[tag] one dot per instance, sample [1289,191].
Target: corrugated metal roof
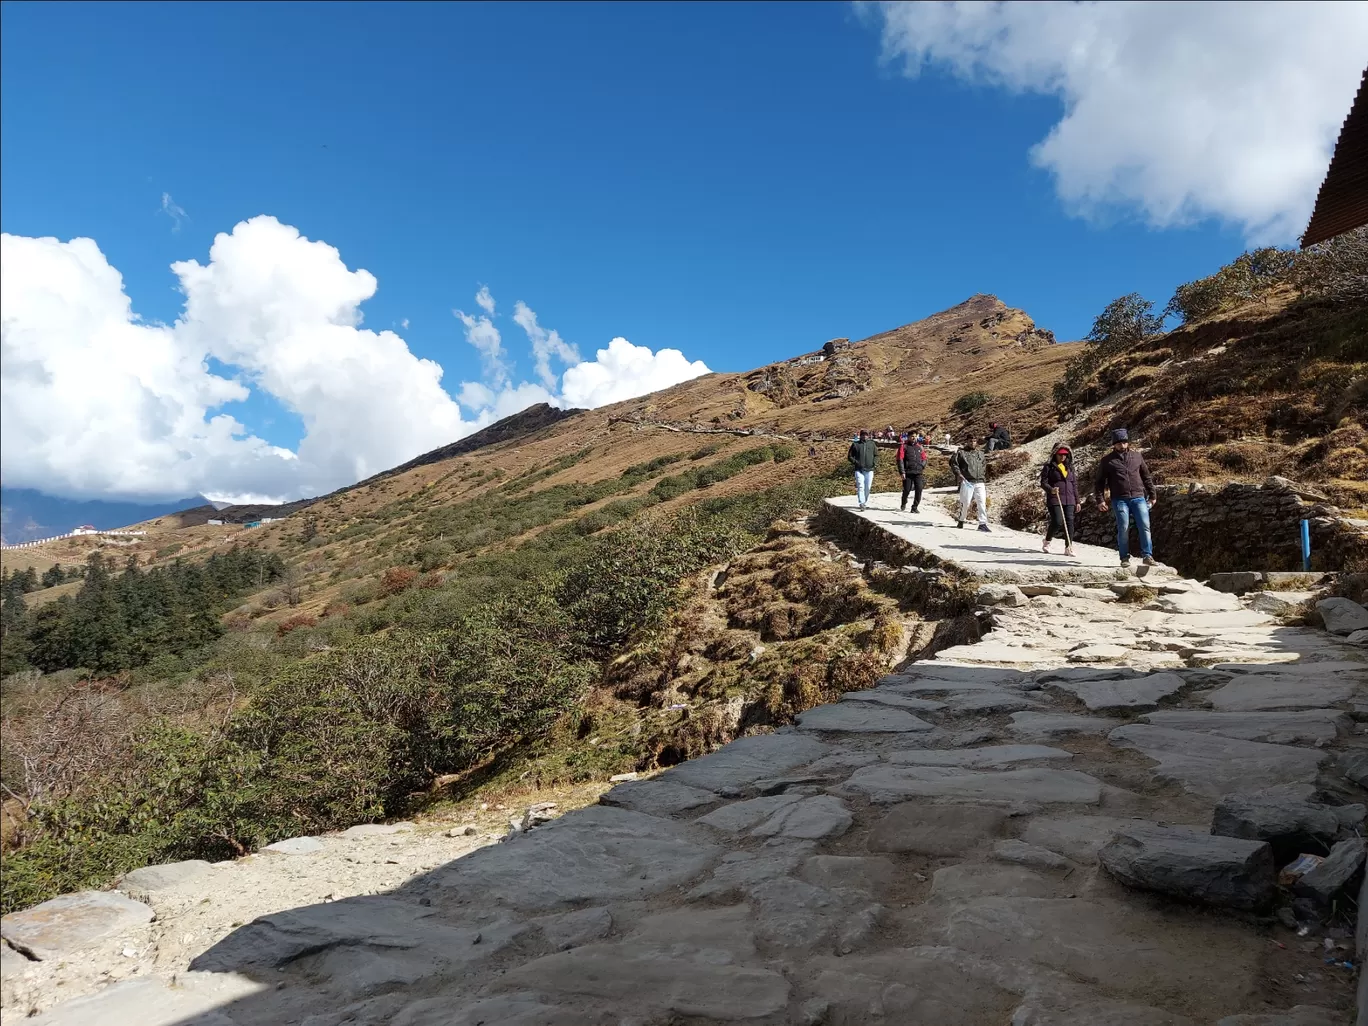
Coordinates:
[1342,204]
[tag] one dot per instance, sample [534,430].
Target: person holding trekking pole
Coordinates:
[1058,480]
[1125,474]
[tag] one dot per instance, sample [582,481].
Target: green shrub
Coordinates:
[969,402]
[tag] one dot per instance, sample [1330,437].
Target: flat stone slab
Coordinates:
[862,718]
[1078,837]
[735,767]
[1306,727]
[566,930]
[1039,724]
[685,963]
[69,924]
[1138,953]
[785,815]
[885,697]
[1206,601]
[1031,855]
[1123,695]
[143,883]
[897,783]
[1230,872]
[870,873]
[296,846]
[1256,692]
[997,700]
[1073,674]
[593,854]
[991,757]
[657,797]
[1213,766]
[936,830]
[960,673]
[1099,654]
[196,999]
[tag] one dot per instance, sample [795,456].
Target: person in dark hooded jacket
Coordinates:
[998,438]
[1060,483]
[911,465]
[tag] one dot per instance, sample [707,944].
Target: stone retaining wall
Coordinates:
[1202,531]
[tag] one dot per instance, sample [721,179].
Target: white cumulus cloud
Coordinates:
[95,401]
[1182,111]
[624,371]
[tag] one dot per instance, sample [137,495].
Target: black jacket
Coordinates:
[911,458]
[864,454]
[1002,435]
[1125,475]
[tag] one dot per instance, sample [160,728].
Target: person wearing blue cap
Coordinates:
[1125,475]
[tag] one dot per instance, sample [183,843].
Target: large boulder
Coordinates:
[1225,871]
[1342,615]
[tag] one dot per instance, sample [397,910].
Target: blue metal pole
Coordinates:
[1306,545]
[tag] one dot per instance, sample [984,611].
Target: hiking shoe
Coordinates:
[915,509]
[984,528]
[1046,548]
[1149,561]
[960,524]
[1068,551]
[1125,563]
[902,509]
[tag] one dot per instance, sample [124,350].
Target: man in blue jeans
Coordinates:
[1124,474]
[863,455]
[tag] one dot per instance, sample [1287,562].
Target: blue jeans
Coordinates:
[864,481]
[1125,510]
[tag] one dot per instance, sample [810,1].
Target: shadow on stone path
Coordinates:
[946,849]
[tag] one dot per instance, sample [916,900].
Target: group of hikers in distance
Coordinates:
[1122,484]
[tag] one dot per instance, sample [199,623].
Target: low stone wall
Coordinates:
[1201,531]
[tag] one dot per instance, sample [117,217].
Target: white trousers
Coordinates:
[864,481]
[971,491]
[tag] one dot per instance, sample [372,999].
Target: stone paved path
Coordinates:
[943,849]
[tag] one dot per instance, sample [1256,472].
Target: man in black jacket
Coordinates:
[1124,473]
[863,454]
[998,438]
[911,465]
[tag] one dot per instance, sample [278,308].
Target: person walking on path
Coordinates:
[1061,497]
[998,438]
[911,465]
[1125,475]
[972,470]
[864,453]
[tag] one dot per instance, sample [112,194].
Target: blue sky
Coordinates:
[739,182]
